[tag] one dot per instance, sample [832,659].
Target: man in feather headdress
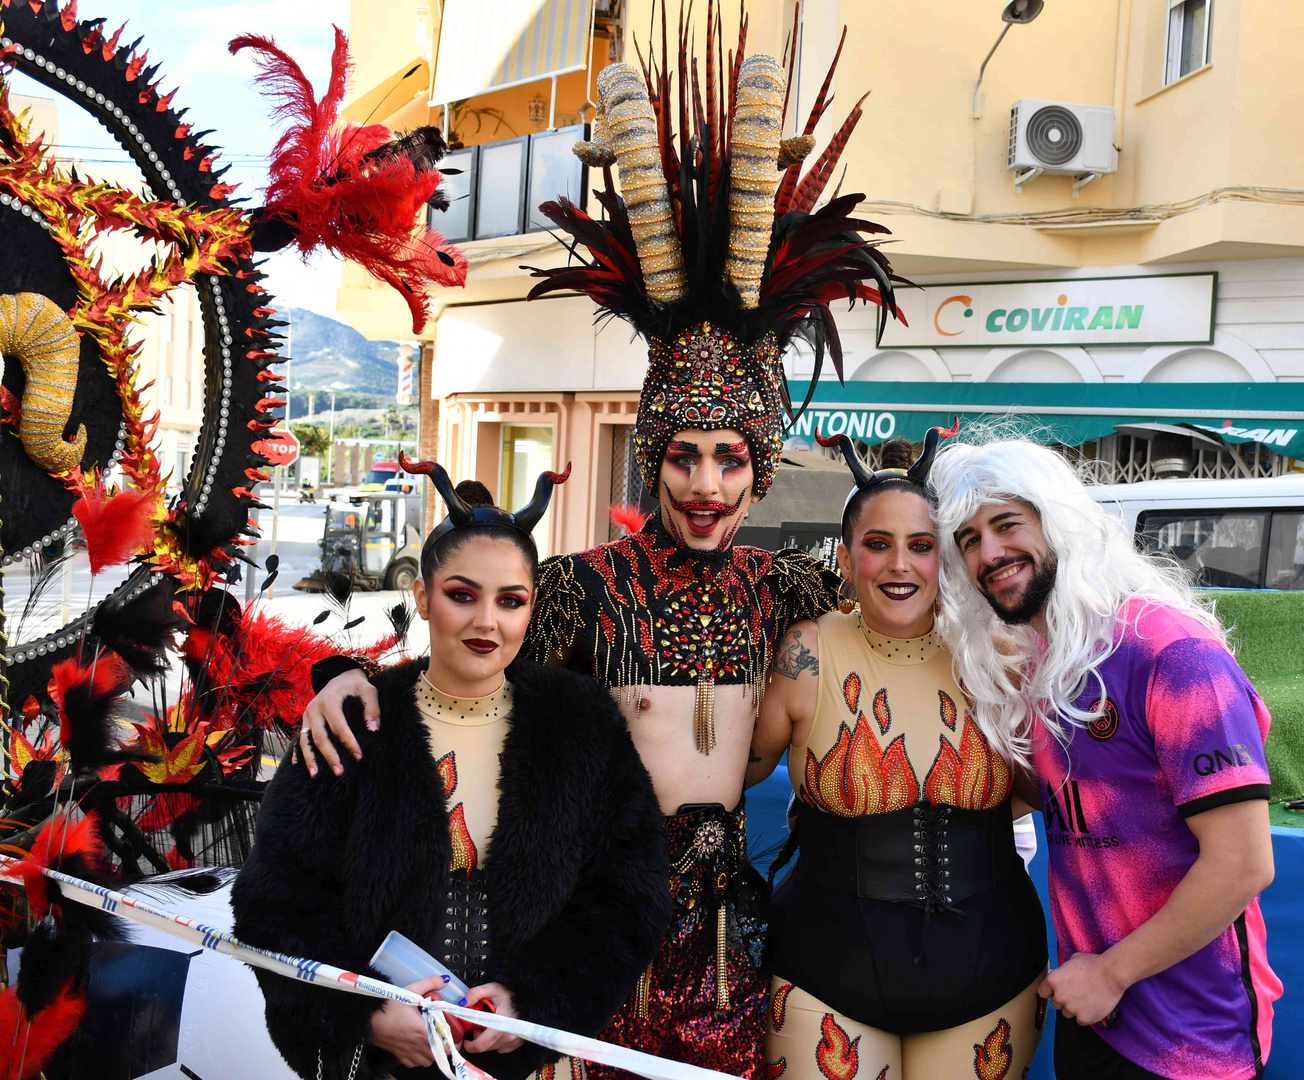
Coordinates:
[715,257]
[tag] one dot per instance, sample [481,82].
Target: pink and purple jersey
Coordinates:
[1182,733]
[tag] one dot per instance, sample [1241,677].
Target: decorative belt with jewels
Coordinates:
[925,855]
[708,857]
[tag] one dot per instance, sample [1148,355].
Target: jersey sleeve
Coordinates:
[1209,726]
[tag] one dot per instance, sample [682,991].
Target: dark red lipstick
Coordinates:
[480,645]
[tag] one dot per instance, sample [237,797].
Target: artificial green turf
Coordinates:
[1267,634]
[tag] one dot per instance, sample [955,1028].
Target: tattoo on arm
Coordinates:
[793,657]
[753,757]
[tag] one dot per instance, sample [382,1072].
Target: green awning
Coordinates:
[1068,413]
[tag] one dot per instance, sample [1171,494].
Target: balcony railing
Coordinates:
[497,188]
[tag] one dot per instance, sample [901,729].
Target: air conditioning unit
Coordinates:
[1063,139]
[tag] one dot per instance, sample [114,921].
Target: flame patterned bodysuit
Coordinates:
[908,936]
[466,738]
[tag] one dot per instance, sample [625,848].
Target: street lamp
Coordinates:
[1016,11]
[330,454]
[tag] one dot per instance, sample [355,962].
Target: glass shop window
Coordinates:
[527,451]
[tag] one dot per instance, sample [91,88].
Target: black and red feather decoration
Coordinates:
[35,1037]
[116,524]
[60,842]
[352,188]
[816,257]
[85,694]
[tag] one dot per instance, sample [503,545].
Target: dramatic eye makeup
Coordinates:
[880,540]
[682,455]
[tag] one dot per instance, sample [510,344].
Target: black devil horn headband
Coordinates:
[461,513]
[916,474]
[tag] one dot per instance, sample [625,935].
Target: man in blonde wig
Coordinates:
[1095,665]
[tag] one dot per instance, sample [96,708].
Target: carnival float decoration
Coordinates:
[176,789]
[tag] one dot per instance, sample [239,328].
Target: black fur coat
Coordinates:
[577,884]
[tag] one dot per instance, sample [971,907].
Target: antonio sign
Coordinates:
[279,447]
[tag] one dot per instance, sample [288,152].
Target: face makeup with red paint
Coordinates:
[893,563]
[478,606]
[707,487]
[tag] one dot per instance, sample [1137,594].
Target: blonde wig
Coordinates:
[1014,676]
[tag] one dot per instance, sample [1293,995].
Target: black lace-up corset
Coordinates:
[464,930]
[930,856]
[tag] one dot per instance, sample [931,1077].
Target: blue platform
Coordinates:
[1282,903]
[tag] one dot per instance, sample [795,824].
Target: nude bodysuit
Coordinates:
[891,726]
[466,737]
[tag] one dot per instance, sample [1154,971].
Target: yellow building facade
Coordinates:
[1113,216]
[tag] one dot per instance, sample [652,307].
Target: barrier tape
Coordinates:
[447,1057]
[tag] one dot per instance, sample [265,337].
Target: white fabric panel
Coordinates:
[515,346]
[488,46]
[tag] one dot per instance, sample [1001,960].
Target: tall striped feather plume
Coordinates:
[818,254]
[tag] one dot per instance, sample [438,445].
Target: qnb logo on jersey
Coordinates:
[1066,819]
[1235,757]
[1105,726]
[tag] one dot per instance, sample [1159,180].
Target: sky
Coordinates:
[187,39]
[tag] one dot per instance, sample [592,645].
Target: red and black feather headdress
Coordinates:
[351,188]
[714,251]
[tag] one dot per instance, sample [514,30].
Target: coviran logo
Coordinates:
[1061,317]
[967,301]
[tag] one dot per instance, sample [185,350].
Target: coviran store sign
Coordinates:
[1165,309]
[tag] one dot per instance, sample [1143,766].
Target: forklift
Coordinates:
[373,539]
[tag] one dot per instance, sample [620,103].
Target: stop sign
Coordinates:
[279,447]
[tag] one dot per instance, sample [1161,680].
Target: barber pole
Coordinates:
[405,376]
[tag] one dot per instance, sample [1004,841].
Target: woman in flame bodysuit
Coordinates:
[908,941]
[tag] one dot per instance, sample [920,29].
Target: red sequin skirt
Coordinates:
[702,999]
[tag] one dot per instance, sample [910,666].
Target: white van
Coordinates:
[1235,534]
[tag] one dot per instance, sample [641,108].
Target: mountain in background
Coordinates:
[326,351]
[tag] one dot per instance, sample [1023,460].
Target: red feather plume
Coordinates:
[116,524]
[629,518]
[257,677]
[56,844]
[85,695]
[349,188]
[37,1036]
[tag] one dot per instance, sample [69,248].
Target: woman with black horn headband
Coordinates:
[908,941]
[489,778]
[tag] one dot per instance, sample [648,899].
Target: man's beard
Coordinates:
[1034,596]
